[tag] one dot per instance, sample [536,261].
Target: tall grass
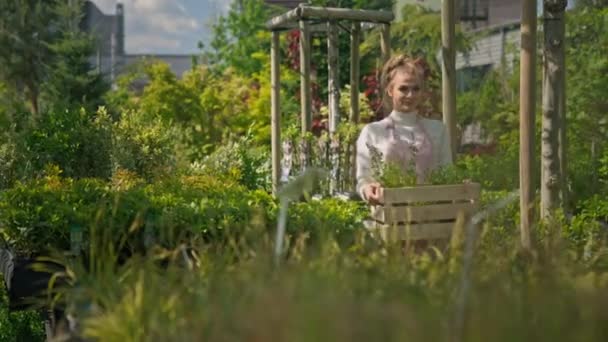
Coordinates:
[364,290]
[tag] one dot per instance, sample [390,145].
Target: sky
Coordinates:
[171,26]
[166,26]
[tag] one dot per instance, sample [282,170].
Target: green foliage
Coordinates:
[12,108]
[84,144]
[417,34]
[46,55]
[365,111]
[167,97]
[232,44]
[144,144]
[494,102]
[238,161]
[493,172]
[227,106]
[327,218]
[586,58]
[37,216]
[70,79]
[19,326]
[591,3]
[390,174]
[77,141]
[25,31]
[203,112]
[322,288]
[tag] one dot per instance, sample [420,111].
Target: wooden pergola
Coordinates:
[320,19]
[326,19]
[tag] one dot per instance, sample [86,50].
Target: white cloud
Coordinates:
[154,24]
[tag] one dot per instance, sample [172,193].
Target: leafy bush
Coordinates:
[19,326]
[76,141]
[238,160]
[37,216]
[328,217]
[145,144]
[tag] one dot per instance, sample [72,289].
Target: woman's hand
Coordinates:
[372,193]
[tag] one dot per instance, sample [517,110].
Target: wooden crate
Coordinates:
[425,212]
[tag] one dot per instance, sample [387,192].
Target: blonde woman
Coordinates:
[404,136]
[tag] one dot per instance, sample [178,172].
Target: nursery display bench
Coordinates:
[423,212]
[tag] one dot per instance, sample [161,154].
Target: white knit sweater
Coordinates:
[376,134]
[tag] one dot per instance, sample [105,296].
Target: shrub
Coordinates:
[237,160]
[145,144]
[19,326]
[38,215]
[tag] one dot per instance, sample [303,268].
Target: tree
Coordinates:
[26,29]
[71,80]
[45,53]
[236,37]
[586,103]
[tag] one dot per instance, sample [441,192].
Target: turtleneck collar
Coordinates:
[402,118]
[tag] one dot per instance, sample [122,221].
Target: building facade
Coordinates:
[110,56]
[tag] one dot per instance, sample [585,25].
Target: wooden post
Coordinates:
[553,69]
[334,102]
[385,43]
[527,93]
[305,91]
[355,37]
[275,93]
[448,70]
[305,95]
[563,141]
[332,83]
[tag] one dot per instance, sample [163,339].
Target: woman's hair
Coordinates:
[417,66]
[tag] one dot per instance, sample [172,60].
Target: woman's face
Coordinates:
[405,91]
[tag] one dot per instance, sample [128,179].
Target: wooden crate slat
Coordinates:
[423,231]
[431,193]
[425,213]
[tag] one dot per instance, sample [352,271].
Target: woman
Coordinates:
[404,136]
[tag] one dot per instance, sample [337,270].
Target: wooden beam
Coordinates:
[284,19]
[527,96]
[329,13]
[275,93]
[448,70]
[312,27]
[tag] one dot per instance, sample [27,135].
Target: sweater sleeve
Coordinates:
[364,171]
